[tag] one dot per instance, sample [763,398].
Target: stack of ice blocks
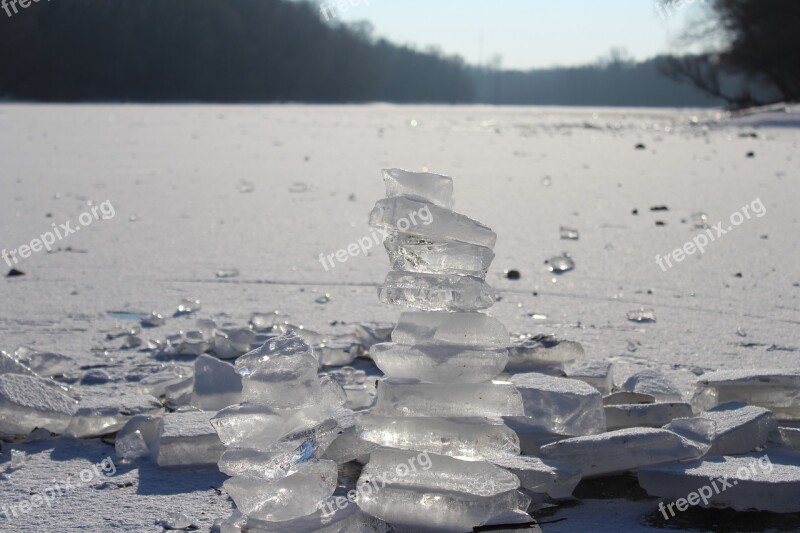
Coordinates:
[274,440]
[438,413]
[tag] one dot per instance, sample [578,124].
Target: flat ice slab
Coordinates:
[654,383]
[775,390]
[559,405]
[620,451]
[598,374]
[650,415]
[28,402]
[425,186]
[187,438]
[759,481]
[438,364]
[475,330]
[436,292]
[536,475]
[489,399]
[740,428]
[103,414]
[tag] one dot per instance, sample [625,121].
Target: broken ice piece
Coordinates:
[216,384]
[230,343]
[775,390]
[417,253]
[790,438]
[642,315]
[560,264]
[171,378]
[542,351]
[263,320]
[187,438]
[131,446]
[18,459]
[536,475]
[10,365]
[187,306]
[370,334]
[298,494]
[622,450]
[348,446]
[45,364]
[624,397]
[423,470]
[562,406]
[569,234]
[175,521]
[651,415]
[276,463]
[338,352]
[28,402]
[444,511]
[432,292]
[756,481]
[699,430]
[438,364]
[463,329]
[103,414]
[401,214]
[598,374]
[740,428]
[194,343]
[489,399]
[227,273]
[469,438]
[153,320]
[424,186]
[654,383]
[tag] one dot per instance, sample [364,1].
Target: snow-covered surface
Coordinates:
[174,176]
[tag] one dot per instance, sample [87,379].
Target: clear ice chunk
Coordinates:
[560,264]
[475,330]
[598,374]
[622,450]
[775,390]
[651,415]
[433,292]
[740,428]
[424,186]
[187,438]
[417,253]
[438,364]
[429,510]
[759,481]
[790,438]
[642,315]
[654,383]
[10,365]
[28,402]
[46,364]
[18,459]
[273,464]
[401,214]
[423,470]
[216,384]
[175,521]
[559,405]
[338,352]
[467,438]
[568,234]
[399,398]
[103,414]
[542,351]
[297,494]
[131,446]
[348,446]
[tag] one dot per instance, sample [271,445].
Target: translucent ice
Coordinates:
[418,253]
[216,384]
[558,405]
[402,214]
[295,495]
[432,292]
[175,521]
[338,351]
[538,476]
[429,510]
[542,351]
[398,398]
[102,414]
[274,464]
[439,364]
[348,446]
[28,402]
[187,438]
[560,264]
[652,415]
[622,450]
[10,365]
[424,470]
[470,438]
[756,481]
[462,329]
[18,459]
[46,364]
[131,446]
[654,383]
[642,315]
[598,374]
[423,186]
[740,428]
[775,390]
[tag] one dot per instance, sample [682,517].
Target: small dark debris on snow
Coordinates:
[751,154]
[635,212]
[659,208]
[13,273]
[660,223]
[512,274]
[641,146]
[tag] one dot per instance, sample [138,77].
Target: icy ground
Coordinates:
[267,189]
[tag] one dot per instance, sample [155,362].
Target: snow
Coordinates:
[173,174]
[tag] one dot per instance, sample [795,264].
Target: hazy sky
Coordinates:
[527,33]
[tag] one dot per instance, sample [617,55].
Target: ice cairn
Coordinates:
[437,418]
[275,441]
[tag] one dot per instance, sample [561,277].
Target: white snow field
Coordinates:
[200,191]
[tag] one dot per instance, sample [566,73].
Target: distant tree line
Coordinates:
[278,50]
